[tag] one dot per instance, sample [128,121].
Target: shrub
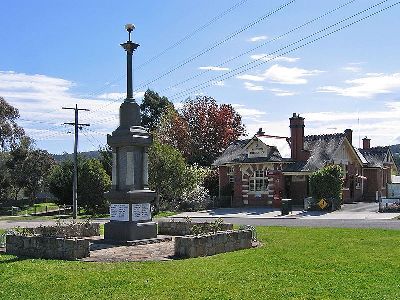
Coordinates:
[196,199]
[326,183]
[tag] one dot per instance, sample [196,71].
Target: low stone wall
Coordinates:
[47,247]
[65,230]
[210,244]
[177,228]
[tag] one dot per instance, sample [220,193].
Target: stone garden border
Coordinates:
[209,244]
[60,241]
[47,247]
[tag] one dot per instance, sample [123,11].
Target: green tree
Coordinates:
[5,178]
[152,108]
[10,132]
[28,167]
[93,182]
[105,158]
[169,175]
[326,183]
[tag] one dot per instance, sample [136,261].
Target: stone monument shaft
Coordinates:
[130,197]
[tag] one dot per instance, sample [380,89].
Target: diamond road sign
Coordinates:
[322,203]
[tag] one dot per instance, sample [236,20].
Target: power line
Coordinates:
[261,60]
[193,33]
[217,44]
[261,45]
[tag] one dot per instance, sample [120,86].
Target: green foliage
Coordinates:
[28,167]
[93,181]
[331,263]
[169,175]
[10,132]
[326,183]
[152,108]
[105,158]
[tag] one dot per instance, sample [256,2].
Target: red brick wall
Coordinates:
[237,188]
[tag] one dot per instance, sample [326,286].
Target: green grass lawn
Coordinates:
[293,263]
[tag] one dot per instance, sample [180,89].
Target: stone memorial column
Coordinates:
[130,197]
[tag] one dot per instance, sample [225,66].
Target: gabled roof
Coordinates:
[280,143]
[237,151]
[322,150]
[376,156]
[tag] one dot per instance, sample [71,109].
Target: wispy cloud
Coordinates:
[40,99]
[282,93]
[266,57]
[258,38]
[366,87]
[213,68]
[119,96]
[247,112]
[252,87]
[352,69]
[218,83]
[282,75]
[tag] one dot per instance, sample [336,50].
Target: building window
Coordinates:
[258,182]
[231,174]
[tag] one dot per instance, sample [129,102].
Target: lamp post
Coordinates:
[129,47]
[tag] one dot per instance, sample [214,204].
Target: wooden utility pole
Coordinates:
[75,180]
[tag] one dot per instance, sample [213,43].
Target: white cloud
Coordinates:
[282,93]
[247,112]
[282,75]
[366,87]
[252,87]
[40,98]
[212,68]
[120,96]
[251,77]
[218,83]
[352,69]
[266,57]
[257,38]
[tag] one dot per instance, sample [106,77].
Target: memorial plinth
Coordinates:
[130,197]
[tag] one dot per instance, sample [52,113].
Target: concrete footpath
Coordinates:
[353,211]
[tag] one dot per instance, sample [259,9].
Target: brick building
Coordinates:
[264,169]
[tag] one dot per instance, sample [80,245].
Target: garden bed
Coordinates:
[181,228]
[47,247]
[213,243]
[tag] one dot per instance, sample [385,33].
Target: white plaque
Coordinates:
[141,212]
[119,212]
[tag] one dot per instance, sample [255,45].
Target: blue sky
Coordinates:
[242,52]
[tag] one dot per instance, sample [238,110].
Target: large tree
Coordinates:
[10,132]
[202,129]
[93,181]
[169,175]
[28,168]
[152,108]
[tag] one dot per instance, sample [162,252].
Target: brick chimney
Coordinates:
[349,135]
[296,137]
[366,143]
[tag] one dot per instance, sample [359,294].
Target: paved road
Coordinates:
[356,223]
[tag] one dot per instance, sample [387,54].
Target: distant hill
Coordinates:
[395,149]
[66,156]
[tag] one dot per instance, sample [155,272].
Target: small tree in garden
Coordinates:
[326,183]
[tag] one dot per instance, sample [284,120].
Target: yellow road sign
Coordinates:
[322,203]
